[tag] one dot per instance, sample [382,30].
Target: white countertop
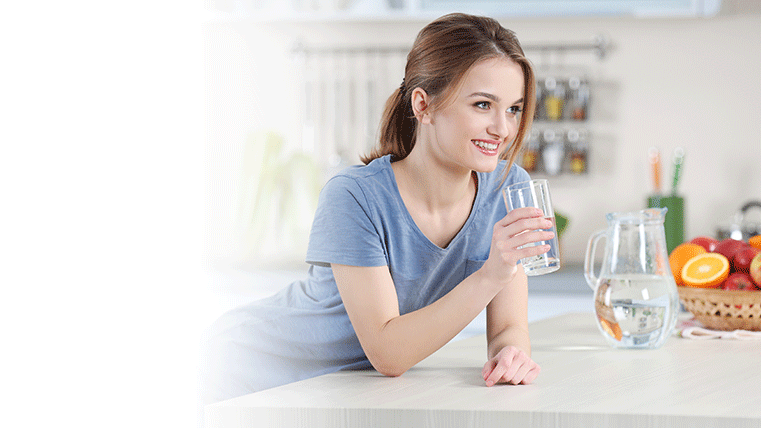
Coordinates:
[583,383]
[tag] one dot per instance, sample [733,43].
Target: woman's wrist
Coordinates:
[511,336]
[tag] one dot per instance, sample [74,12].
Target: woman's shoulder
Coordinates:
[378,169]
[361,178]
[516,174]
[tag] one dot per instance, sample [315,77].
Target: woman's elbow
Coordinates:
[390,371]
[387,365]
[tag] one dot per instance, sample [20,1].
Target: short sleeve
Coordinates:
[344,231]
[520,175]
[516,175]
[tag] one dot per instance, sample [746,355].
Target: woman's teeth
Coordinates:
[487,146]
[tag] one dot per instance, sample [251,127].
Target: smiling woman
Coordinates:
[482,114]
[409,248]
[438,62]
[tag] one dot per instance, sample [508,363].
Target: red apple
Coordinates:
[755,269]
[742,259]
[728,247]
[739,281]
[706,242]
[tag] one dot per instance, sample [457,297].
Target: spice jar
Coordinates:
[553,152]
[578,99]
[554,98]
[530,157]
[577,142]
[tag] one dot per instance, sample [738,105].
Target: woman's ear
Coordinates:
[420,103]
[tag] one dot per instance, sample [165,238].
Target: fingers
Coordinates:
[496,373]
[522,233]
[519,214]
[488,367]
[528,239]
[524,225]
[530,228]
[511,366]
[531,375]
[523,245]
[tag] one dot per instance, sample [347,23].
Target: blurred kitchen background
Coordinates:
[295,89]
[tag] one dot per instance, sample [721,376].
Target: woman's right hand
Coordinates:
[519,227]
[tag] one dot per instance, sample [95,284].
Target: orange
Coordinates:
[755,242]
[612,328]
[707,270]
[679,257]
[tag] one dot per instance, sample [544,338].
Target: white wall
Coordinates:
[692,83]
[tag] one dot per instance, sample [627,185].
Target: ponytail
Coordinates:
[397,128]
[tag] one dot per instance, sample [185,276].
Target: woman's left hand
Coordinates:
[511,365]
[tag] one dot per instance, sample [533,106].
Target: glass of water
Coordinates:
[536,193]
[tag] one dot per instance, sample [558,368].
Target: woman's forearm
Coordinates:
[405,340]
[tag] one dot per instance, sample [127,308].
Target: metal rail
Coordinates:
[600,45]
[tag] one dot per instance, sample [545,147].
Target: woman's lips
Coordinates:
[487,147]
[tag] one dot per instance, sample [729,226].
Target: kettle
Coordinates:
[739,226]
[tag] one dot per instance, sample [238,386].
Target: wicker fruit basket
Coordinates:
[723,310]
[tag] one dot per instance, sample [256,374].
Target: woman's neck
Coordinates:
[438,199]
[434,186]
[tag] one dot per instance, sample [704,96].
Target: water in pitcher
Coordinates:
[635,310]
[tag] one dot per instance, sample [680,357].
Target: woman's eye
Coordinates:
[514,110]
[482,105]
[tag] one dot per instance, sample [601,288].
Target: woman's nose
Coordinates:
[499,128]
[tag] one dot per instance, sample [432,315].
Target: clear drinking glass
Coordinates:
[536,193]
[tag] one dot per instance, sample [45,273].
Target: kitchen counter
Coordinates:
[583,383]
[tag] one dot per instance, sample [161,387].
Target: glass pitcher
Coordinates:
[636,301]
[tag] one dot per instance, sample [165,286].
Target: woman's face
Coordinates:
[482,119]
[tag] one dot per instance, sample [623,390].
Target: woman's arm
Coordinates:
[509,348]
[392,342]
[507,317]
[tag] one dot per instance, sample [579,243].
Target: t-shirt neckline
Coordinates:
[408,217]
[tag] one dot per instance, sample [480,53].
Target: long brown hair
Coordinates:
[442,53]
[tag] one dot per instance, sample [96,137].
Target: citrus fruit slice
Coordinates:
[707,270]
[679,257]
[755,242]
[612,328]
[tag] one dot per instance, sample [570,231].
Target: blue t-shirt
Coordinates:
[361,220]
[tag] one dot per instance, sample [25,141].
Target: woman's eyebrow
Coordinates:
[493,97]
[485,95]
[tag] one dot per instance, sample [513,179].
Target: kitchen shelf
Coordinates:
[294,11]
[329,11]
[321,17]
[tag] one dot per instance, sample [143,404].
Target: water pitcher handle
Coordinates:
[589,260]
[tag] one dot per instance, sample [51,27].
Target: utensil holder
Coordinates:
[674,222]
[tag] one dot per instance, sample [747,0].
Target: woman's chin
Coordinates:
[486,166]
